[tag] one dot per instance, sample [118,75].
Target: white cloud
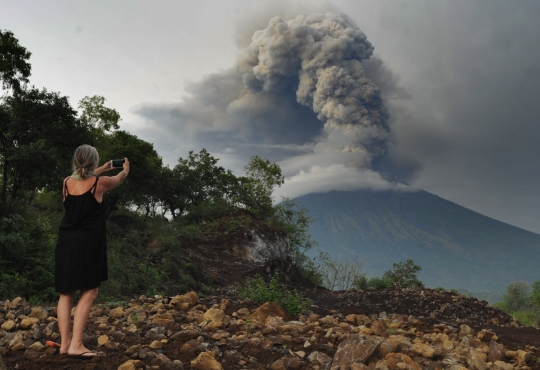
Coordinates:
[318,179]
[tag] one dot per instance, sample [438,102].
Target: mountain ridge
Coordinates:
[455,246]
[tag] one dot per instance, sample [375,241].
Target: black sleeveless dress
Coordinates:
[81,250]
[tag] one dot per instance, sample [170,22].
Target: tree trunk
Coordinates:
[3,200]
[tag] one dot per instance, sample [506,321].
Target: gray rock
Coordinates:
[262,249]
[355,349]
[30,354]
[322,360]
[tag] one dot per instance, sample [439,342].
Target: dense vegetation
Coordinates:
[39,131]
[522,301]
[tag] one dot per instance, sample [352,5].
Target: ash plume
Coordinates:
[299,95]
[319,56]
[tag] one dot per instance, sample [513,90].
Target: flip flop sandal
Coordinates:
[81,356]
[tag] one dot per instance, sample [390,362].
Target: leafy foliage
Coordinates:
[193,181]
[27,256]
[257,290]
[14,68]
[295,221]
[379,283]
[403,274]
[522,301]
[97,116]
[517,295]
[262,176]
[142,187]
[35,126]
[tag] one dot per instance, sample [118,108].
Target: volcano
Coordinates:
[455,246]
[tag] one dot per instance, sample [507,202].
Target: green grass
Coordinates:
[526,318]
[257,290]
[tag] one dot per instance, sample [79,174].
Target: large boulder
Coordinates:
[215,318]
[184,302]
[261,248]
[9,325]
[205,361]
[163,319]
[422,349]
[39,313]
[355,349]
[266,311]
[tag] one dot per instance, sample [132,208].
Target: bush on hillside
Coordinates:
[522,301]
[379,283]
[257,290]
[403,275]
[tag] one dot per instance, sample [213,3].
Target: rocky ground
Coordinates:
[388,329]
[392,329]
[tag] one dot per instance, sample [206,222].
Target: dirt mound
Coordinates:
[443,306]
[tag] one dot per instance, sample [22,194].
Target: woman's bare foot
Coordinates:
[64,347]
[76,351]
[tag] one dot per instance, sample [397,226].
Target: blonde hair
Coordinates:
[85,160]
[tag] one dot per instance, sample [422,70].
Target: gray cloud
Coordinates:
[472,122]
[297,94]
[459,81]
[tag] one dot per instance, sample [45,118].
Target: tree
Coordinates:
[38,133]
[14,68]
[97,116]
[536,294]
[195,180]
[258,185]
[295,223]
[517,296]
[403,275]
[141,187]
[341,274]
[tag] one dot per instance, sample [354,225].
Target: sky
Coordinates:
[343,94]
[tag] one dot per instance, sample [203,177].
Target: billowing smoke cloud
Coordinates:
[320,57]
[298,94]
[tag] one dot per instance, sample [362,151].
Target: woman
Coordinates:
[81,250]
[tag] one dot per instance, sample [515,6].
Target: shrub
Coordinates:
[517,296]
[379,283]
[255,288]
[360,283]
[526,318]
[403,275]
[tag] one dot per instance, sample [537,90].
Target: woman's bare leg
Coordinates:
[63,315]
[79,321]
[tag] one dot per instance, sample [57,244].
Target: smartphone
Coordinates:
[117,163]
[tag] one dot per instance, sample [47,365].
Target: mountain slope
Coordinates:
[456,247]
